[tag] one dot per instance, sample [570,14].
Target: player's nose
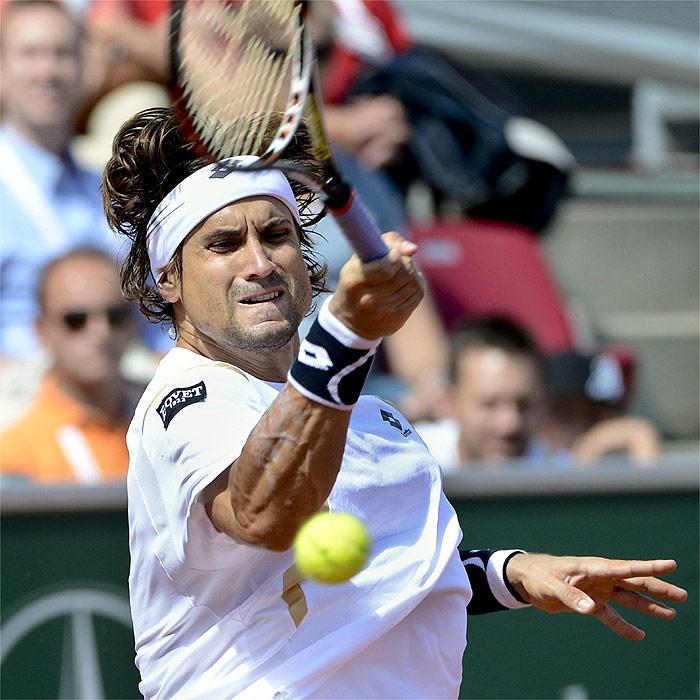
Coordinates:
[256,259]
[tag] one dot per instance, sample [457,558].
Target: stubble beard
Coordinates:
[271,338]
[265,341]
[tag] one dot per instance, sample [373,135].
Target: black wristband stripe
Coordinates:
[328,371]
[484,600]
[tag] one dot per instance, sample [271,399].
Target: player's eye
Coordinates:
[278,234]
[221,247]
[223,244]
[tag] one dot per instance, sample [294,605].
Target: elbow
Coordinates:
[274,534]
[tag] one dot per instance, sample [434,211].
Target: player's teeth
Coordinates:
[264,297]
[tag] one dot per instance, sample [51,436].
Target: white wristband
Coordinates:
[496,576]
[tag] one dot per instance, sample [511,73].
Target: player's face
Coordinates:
[496,398]
[41,67]
[245,285]
[85,324]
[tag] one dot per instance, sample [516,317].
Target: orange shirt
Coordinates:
[58,440]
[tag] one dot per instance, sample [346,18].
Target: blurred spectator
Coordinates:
[127,42]
[75,431]
[49,204]
[126,70]
[395,119]
[467,140]
[585,411]
[405,113]
[495,393]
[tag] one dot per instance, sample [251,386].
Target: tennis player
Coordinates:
[244,432]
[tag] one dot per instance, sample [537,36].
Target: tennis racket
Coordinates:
[244,77]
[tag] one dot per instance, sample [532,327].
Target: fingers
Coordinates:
[375,298]
[399,247]
[655,587]
[569,596]
[642,604]
[622,569]
[392,271]
[618,624]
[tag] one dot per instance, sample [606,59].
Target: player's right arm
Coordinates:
[291,458]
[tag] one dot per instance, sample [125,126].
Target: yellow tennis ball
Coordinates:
[331,547]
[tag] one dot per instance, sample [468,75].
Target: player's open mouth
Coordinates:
[268,296]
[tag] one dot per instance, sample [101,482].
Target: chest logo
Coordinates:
[394,422]
[177,399]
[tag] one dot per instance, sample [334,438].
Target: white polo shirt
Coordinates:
[214,618]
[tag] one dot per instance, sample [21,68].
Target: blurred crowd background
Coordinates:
[543,154]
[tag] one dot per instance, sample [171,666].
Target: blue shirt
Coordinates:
[48,205]
[73,196]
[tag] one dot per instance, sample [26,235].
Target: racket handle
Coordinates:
[361,229]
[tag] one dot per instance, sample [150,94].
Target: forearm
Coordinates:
[426,360]
[286,471]
[633,436]
[291,458]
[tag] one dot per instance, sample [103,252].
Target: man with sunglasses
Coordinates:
[75,429]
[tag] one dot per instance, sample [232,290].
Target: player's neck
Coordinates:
[268,366]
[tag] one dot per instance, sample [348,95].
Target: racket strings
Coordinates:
[265,84]
[237,61]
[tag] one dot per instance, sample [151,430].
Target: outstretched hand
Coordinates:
[588,585]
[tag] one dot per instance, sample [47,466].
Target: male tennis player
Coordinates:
[244,432]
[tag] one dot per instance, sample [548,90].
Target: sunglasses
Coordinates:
[118,316]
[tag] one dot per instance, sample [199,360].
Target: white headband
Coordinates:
[200,195]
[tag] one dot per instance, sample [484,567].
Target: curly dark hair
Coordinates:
[150,156]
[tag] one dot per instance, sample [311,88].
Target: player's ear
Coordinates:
[169,286]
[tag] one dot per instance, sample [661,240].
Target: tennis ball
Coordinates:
[331,547]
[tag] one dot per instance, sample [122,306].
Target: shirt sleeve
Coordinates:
[192,433]
[491,590]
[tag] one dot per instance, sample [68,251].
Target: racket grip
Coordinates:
[361,229]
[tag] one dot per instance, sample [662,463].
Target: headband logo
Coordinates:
[221,170]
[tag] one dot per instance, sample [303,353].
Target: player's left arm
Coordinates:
[588,585]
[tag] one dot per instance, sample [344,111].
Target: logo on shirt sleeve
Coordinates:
[394,422]
[177,399]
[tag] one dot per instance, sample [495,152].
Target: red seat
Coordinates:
[478,268]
